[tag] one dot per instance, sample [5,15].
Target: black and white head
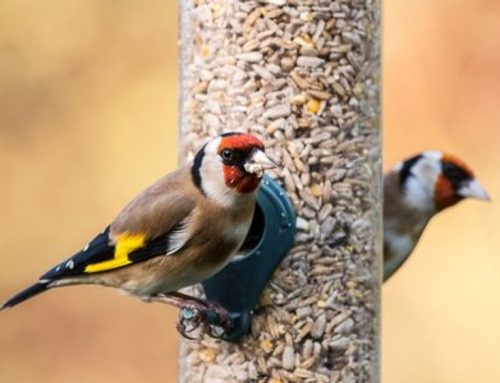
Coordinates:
[433,180]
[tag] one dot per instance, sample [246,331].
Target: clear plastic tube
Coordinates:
[305,77]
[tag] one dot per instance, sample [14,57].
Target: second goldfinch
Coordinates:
[176,233]
[414,191]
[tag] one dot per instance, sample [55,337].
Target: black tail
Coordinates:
[31,291]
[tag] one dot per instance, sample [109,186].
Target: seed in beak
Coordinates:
[258,162]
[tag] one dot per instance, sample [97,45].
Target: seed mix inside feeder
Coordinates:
[304,76]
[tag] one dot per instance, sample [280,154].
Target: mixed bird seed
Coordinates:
[304,76]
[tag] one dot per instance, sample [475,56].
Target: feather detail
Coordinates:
[97,251]
[126,243]
[179,236]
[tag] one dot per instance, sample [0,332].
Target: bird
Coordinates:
[415,190]
[178,232]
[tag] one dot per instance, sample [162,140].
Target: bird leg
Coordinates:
[195,312]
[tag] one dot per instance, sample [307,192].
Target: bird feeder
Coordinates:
[304,77]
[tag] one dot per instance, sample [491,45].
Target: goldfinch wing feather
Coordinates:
[151,225]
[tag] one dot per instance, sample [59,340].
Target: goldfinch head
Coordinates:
[230,165]
[456,182]
[434,180]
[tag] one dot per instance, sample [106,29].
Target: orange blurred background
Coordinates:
[88,118]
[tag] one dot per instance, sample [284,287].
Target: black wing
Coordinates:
[100,250]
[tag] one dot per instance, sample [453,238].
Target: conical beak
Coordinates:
[473,189]
[258,162]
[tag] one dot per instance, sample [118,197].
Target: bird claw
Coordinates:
[213,318]
[188,313]
[190,319]
[195,313]
[216,331]
[218,321]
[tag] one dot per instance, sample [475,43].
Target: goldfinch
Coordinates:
[178,232]
[414,191]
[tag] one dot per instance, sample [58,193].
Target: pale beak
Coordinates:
[258,162]
[473,189]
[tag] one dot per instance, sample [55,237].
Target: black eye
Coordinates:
[448,167]
[227,154]
[233,157]
[454,173]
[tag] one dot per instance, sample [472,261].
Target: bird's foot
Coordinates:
[196,313]
[217,321]
[190,318]
[213,318]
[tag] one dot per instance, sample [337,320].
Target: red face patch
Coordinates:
[240,181]
[234,176]
[444,194]
[241,142]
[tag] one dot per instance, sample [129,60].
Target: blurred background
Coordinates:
[88,118]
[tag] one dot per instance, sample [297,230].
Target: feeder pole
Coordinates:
[304,76]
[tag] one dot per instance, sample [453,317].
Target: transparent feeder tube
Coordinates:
[305,77]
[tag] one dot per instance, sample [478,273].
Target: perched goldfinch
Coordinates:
[176,233]
[414,191]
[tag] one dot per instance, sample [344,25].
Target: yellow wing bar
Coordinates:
[126,243]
